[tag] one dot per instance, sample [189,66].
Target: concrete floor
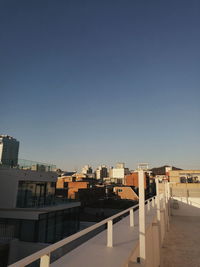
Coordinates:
[181,246]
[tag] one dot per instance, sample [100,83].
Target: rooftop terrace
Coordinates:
[167,236]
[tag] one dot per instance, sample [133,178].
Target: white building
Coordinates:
[117,174]
[101,172]
[87,169]
[9,149]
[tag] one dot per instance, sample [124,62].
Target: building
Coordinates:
[87,169]
[71,188]
[132,180]
[125,192]
[149,183]
[101,172]
[9,149]
[117,174]
[184,176]
[163,170]
[86,190]
[31,216]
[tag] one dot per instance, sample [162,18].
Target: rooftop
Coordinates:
[165,234]
[125,239]
[182,242]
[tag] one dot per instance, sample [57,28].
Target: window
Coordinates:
[35,194]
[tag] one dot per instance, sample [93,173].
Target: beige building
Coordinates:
[184,176]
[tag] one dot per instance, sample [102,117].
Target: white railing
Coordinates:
[44,254]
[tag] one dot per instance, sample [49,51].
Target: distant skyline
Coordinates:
[100,82]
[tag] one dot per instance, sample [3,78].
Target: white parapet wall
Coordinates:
[185,206]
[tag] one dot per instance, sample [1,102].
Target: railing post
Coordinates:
[167,205]
[45,260]
[153,202]
[110,234]
[142,237]
[148,205]
[158,210]
[131,218]
[169,198]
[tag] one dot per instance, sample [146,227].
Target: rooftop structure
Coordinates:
[143,166]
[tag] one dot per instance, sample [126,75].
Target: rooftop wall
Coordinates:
[9,179]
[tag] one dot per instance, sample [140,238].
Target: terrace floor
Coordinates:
[95,253]
[181,247]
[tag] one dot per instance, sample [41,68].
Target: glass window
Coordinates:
[42,228]
[51,227]
[27,232]
[59,225]
[34,194]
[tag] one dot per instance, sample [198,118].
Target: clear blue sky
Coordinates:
[101,81]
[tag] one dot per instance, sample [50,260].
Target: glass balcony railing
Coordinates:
[35,165]
[28,165]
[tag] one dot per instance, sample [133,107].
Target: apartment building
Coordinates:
[31,213]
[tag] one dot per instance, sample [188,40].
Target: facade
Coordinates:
[125,192]
[71,187]
[31,212]
[117,174]
[101,172]
[85,190]
[87,169]
[184,176]
[25,188]
[9,149]
[132,180]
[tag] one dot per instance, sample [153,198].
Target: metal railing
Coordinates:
[44,254]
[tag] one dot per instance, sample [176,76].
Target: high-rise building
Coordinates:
[101,172]
[87,169]
[9,149]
